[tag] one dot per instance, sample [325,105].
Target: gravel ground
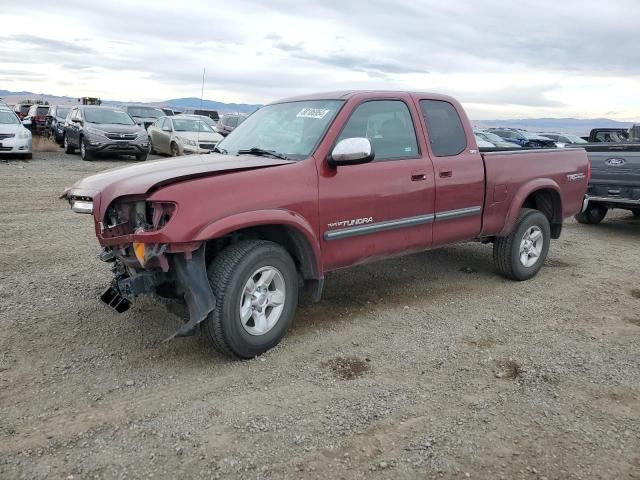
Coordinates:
[427,366]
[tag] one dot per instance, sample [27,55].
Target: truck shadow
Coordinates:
[397,283]
[620,225]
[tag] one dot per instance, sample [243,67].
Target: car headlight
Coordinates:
[24,134]
[94,131]
[186,141]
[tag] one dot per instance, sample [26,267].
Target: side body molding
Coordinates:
[288,218]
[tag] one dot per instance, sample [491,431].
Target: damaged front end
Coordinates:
[143,264]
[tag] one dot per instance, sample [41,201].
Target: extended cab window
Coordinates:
[388,126]
[445,129]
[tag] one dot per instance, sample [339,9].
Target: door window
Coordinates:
[388,126]
[446,134]
[166,125]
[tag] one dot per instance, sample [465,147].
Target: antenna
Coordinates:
[200,121]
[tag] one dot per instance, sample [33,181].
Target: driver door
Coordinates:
[384,207]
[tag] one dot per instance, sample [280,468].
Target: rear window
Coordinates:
[446,133]
[24,108]
[40,111]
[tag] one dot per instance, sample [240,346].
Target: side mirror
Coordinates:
[351,151]
[26,123]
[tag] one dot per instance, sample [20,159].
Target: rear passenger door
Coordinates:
[385,206]
[459,173]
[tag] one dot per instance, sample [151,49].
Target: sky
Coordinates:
[501,58]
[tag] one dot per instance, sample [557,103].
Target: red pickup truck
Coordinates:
[312,184]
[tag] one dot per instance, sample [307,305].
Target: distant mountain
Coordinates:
[178,103]
[576,126]
[193,102]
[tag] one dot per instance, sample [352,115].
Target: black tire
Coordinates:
[506,250]
[151,150]
[67,146]
[636,212]
[228,274]
[84,153]
[27,156]
[141,157]
[592,215]
[175,151]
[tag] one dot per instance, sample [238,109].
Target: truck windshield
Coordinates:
[145,112]
[291,129]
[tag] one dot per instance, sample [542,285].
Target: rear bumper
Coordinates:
[611,202]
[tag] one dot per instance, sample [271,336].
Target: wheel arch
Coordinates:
[542,195]
[284,227]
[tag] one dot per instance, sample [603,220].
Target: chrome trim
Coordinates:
[81,206]
[614,200]
[585,204]
[378,227]
[459,213]
[400,223]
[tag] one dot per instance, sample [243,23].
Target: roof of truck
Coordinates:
[346,94]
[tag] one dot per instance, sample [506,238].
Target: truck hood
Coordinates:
[139,179]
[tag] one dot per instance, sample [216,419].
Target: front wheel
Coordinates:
[141,157]
[67,146]
[520,255]
[84,154]
[175,151]
[636,212]
[592,215]
[255,283]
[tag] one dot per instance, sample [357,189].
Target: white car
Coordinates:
[14,137]
[181,135]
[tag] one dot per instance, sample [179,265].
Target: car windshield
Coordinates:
[292,129]
[492,137]
[8,118]
[145,112]
[575,139]
[532,136]
[190,125]
[207,120]
[103,115]
[62,112]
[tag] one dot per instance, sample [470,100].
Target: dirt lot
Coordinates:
[429,366]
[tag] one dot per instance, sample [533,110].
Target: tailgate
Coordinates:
[615,171]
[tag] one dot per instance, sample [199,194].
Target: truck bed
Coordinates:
[509,172]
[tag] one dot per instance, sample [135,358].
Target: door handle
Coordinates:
[446,173]
[418,176]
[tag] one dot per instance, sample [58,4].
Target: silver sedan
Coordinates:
[181,135]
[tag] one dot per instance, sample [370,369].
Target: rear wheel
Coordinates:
[67,146]
[255,283]
[520,255]
[593,215]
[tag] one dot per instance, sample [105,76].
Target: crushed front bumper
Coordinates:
[187,272]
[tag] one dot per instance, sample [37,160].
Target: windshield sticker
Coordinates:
[312,113]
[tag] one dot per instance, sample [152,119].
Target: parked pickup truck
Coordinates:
[615,180]
[312,184]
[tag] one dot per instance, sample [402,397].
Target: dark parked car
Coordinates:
[202,111]
[95,130]
[144,115]
[55,120]
[228,122]
[614,181]
[565,138]
[523,138]
[37,115]
[608,135]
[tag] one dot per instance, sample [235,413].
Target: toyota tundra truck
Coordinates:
[312,184]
